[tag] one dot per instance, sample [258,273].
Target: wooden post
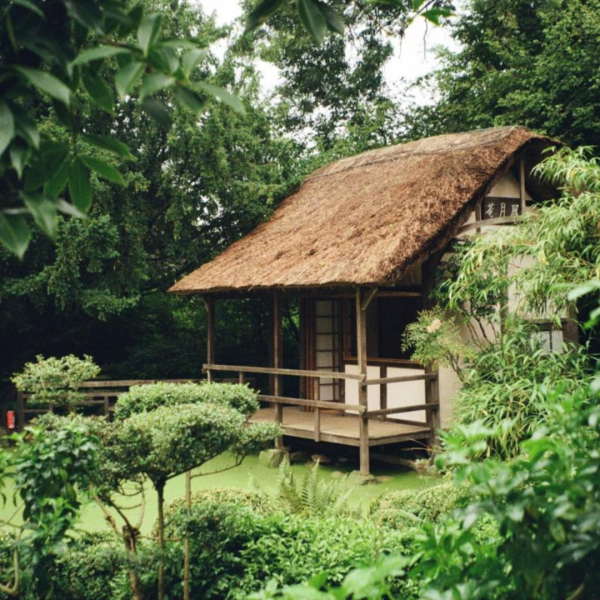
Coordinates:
[277,360]
[432,396]
[432,390]
[209,302]
[522,185]
[317,412]
[361,345]
[383,393]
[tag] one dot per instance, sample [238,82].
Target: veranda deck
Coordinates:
[342,428]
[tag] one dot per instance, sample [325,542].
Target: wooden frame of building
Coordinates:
[358,244]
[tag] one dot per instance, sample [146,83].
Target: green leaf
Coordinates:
[30,6]
[68,209]
[434,15]
[104,169]
[80,187]
[192,58]
[109,143]
[14,233]
[416,4]
[148,31]
[86,12]
[56,184]
[99,92]
[334,20]
[154,83]
[7,127]
[261,12]
[27,130]
[223,95]
[47,84]
[43,212]
[19,155]
[189,99]
[313,19]
[158,112]
[44,165]
[127,77]
[179,43]
[98,53]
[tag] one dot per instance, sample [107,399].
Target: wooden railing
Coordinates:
[431,405]
[102,394]
[291,372]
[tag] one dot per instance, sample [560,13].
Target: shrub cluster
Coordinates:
[407,509]
[145,398]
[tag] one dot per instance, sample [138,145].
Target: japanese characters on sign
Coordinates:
[494,208]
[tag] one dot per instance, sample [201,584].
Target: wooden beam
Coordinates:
[318,413]
[312,403]
[487,223]
[400,379]
[291,372]
[361,346]
[277,361]
[383,389]
[368,298]
[522,194]
[210,333]
[402,409]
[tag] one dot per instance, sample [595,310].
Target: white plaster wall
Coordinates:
[373,391]
[507,187]
[399,394]
[406,393]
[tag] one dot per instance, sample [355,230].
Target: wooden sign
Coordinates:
[495,208]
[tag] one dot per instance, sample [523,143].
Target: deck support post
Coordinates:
[522,194]
[361,345]
[432,386]
[277,360]
[209,302]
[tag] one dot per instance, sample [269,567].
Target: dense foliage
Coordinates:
[56,381]
[519,63]
[500,288]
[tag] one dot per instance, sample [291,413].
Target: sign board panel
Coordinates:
[494,208]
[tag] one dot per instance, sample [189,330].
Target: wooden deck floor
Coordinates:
[341,429]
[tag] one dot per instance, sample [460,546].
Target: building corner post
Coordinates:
[361,345]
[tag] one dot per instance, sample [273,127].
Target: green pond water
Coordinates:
[252,475]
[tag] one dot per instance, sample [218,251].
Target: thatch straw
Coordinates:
[366,220]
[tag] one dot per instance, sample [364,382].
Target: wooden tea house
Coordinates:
[357,246]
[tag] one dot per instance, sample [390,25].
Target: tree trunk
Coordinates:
[160,488]
[129,537]
[186,541]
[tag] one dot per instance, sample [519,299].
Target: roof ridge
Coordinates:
[329,169]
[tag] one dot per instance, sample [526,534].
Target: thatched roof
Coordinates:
[366,220]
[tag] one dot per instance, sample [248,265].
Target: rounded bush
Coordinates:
[145,398]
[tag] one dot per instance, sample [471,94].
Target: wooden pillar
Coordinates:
[361,346]
[277,359]
[432,390]
[209,302]
[522,195]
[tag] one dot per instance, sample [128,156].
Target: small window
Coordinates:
[551,338]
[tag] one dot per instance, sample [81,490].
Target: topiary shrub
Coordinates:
[413,508]
[144,398]
[56,380]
